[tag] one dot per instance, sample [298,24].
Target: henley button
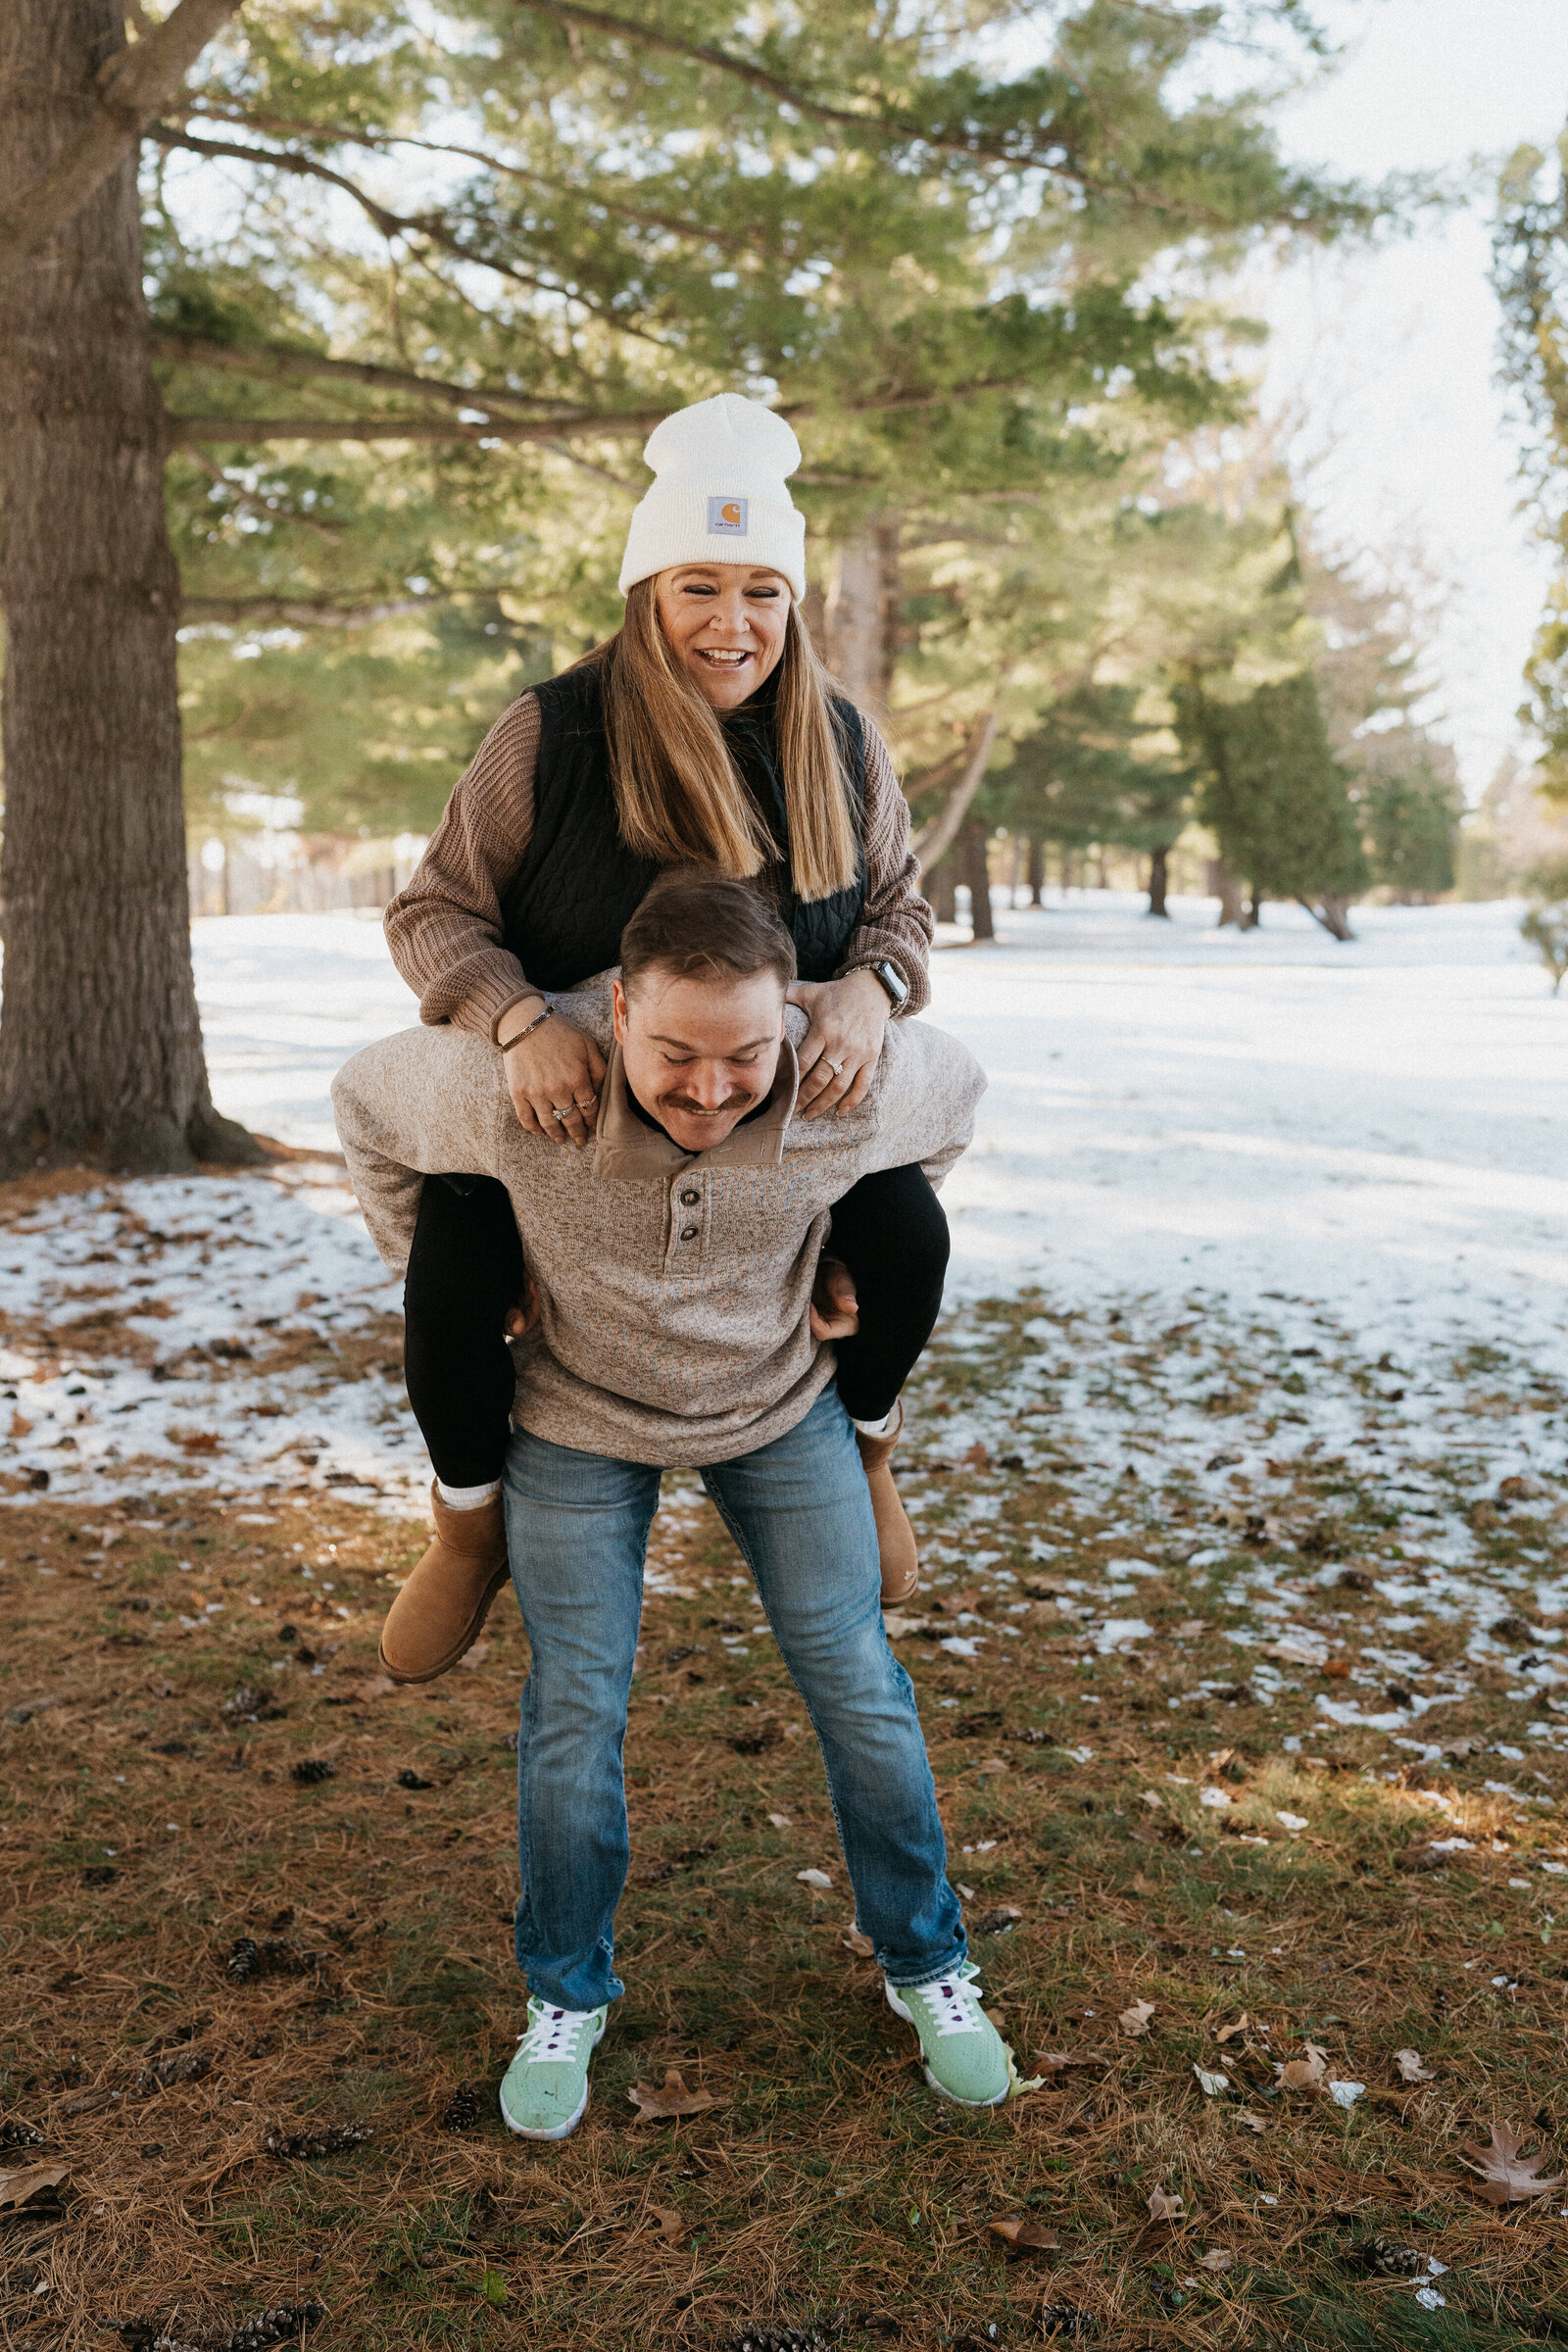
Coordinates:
[690,1199]
[688,1233]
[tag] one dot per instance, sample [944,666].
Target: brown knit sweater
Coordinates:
[445,930]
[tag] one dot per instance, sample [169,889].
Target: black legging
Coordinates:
[466,1270]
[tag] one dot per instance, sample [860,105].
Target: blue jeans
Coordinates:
[800,1510]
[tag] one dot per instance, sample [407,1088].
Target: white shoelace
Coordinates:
[553,2034]
[954,2006]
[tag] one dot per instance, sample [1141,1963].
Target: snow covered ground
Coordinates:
[1296,1135]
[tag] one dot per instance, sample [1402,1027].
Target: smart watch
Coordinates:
[888,974]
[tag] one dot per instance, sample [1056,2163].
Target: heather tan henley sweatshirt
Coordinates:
[674,1287]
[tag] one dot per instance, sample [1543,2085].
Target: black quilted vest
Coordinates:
[579,885]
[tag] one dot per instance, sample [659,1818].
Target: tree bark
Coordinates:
[933,841]
[862,617]
[941,886]
[99,1042]
[1037,871]
[1223,885]
[1333,912]
[1159,862]
[977,873]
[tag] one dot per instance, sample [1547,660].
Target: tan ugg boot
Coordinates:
[901,1561]
[440,1611]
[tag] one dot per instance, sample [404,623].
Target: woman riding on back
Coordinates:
[708,732]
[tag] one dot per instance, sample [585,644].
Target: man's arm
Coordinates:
[425,1103]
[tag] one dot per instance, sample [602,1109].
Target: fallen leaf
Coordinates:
[1133,2022]
[1345,2095]
[20,1427]
[33,2184]
[1019,2236]
[1467,1746]
[1163,2207]
[656,2106]
[781,1821]
[672,2228]
[1506,2176]
[1304,2074]
[377,1686]
[1335,1670]
[861,1945]
[1212,2087]
[1063,2062]
[898,1627]
[955,1604]
[967,1892]
[994,1764]
[978,1456]
[1223,2034]
[817,1879]
[1412,2068]
[1150,1797]
[1251,2121]
[1218,2258]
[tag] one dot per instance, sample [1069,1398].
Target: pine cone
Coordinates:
[309,1769]
[243,1960]
[334,2139]
[274,2327]
[464,2108]
[16,2134]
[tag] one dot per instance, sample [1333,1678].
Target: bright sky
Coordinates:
[1393,351]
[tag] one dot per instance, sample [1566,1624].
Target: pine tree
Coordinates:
[1275,797]
[458,281]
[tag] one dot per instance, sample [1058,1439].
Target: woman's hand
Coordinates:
[844,1042]
[555,1068]
[835,1303]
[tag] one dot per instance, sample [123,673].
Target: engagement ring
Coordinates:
[556,1112]
[837,1068]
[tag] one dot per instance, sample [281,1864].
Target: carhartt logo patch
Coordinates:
[727,515]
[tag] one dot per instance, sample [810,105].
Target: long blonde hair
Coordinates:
[679,796]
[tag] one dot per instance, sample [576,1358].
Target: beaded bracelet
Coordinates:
[538,1018]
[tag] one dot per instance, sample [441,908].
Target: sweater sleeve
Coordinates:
[896,923]
[445,930]
[419,1103]
[922,1102]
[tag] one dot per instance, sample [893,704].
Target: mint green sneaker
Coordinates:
[545,2088]
[965,2057]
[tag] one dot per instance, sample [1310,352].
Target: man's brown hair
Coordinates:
[695,923]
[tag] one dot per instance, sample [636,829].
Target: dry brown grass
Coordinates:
[828,2178]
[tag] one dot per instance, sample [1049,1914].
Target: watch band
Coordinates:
[888,978]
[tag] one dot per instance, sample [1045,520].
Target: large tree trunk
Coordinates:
[1158,881]
[860,617]
[100,1042]
[1332,911]
[977,873]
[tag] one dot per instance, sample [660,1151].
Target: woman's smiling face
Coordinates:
[724,624]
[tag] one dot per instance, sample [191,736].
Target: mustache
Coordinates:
[739,1100]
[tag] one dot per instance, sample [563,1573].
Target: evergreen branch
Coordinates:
[377,142]
[315,613]
[191,432]
[1028,150]
[134,87]
[281,362]
[429,225]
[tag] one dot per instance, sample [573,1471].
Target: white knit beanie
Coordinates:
[721,494]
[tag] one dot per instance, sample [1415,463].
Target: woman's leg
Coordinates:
[892,1235]
[465,1271]
[576,1531]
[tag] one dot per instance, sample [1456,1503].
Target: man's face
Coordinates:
[700,1053]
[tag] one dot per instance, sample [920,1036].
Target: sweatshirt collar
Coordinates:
[627,1149]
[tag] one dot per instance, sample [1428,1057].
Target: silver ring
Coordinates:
[837,1068]
[588,1106]
[556,1114]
